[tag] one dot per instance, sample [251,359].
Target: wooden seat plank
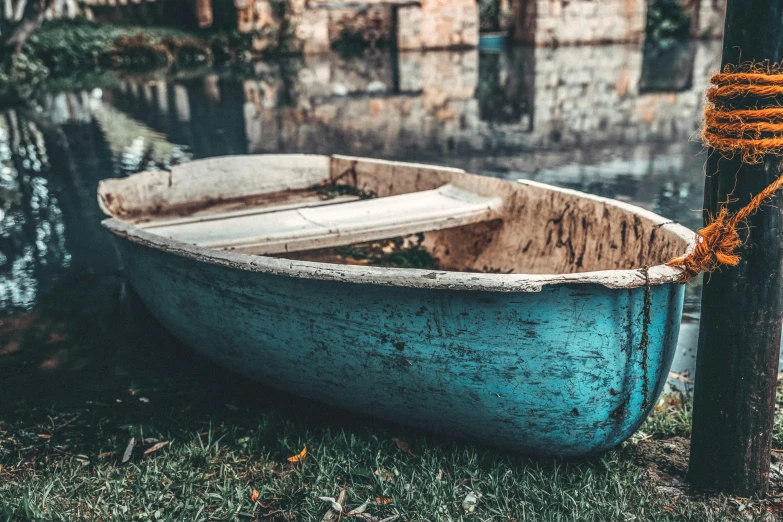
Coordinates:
[225,211]
[308,228]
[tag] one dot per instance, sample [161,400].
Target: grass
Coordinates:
[210,472]
[90,369]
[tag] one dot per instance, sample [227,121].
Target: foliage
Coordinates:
[489,15]
[670,418]
[65,45]
[230,47]
[68,51]
[20,76]
[667,20]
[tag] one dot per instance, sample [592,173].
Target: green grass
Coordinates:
[671,417]
[210,472]
[79,382]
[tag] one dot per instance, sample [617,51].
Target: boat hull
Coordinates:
[570,370]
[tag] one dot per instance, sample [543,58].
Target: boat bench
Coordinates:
[318,223]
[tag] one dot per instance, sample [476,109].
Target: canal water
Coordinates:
[617,121]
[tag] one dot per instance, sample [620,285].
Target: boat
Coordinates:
[493,42]
[511,313]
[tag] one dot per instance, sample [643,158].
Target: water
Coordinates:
[617,121]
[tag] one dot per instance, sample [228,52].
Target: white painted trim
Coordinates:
[407,277]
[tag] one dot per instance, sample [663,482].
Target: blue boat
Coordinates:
[493,41]
[516,314]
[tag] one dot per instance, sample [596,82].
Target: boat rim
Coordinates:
[425,278]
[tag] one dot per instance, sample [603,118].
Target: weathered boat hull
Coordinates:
[572,369]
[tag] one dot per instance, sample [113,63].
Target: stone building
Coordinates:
[316,26]
[441,24]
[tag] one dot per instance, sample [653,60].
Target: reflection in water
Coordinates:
[32,240]
[611,120]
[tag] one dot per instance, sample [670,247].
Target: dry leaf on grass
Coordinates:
[469,504]
[254,496]
[156,447]
[337,505]
[129,450]
[299,456]
[385,474]
[403,446]
[683,377]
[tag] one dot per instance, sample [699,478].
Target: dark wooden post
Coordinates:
[739,340]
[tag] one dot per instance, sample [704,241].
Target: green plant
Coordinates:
[667,20]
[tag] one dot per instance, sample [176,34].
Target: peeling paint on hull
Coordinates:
[554,372]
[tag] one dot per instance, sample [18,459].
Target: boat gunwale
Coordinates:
[427,278]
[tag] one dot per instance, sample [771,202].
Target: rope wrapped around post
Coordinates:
[750,132]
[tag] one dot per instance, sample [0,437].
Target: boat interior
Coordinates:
[341,209]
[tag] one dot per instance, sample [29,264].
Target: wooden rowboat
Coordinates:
[543,319]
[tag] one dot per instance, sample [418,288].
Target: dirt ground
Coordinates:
[666,465]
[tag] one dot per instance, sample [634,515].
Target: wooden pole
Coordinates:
[739,339]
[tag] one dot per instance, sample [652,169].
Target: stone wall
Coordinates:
[558,22]
[316,25]
[438,24]
[317,28]
[710,18]
[567,22]
[568,101]
[372,26]
[533,110]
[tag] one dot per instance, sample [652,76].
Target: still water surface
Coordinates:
[616,121]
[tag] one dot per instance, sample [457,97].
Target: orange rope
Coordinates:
[760,77]
[743,115]
[751,132]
